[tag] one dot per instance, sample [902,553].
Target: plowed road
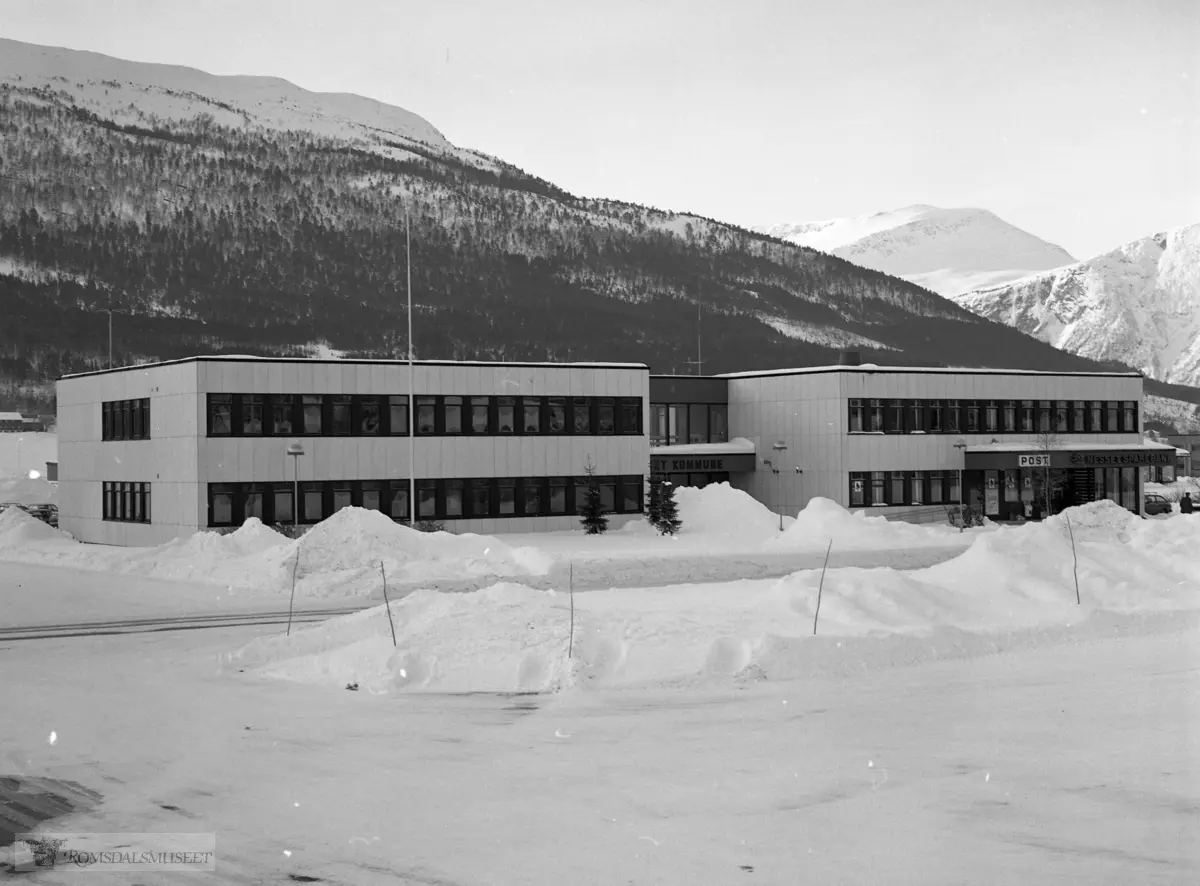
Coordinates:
[174,623]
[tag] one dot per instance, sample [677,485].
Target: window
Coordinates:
[372,496]
[282,406]
[398,415]
[678,420]
[877,490]
[342,497]
[991,417]
[137,420]
[1095,425]
[876,416]
[556,415]
[557,487]
[952,417]
[936,423]
[1010,417]
[506,415]
[1129,416]
[858,489]
[481,498]
[917,487]
[630,418]
[1111,416]
[531,410]
[220,415]
[1043,424]
[342,414]
[220,505]
[1078,416]
[658,424]
[454,498]
[895,417]
[398,507]
[252,415]
[897,496]
[106,423]
[856,416]
[426,499]
[425,410]
[313,502]
[580,488]
[506,497]
[311,409]
[452,415]
[369,416]
[936,493]
[972,409]
[955,493]
[698,423]
[916,418]
[125,502]
[283,506]
[125,419]
[531,496]
[1060,416]
[479,416]
[581,415]
[1026,416]
[252,504]
[606,416]
[608,494]
[631,494]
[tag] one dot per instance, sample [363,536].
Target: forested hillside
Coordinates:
[208,238]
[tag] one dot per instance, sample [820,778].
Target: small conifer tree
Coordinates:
[654,504]
[668,510]
[593,518]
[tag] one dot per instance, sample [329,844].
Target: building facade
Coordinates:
[910,442]
[150,453]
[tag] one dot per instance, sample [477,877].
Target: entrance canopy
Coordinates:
[1009,456]
[736,456]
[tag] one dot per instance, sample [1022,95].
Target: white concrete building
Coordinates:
[909,441]
[154,452]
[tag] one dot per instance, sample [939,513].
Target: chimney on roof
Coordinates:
[849,358]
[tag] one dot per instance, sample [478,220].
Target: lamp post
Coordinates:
[960,444]
[295,450]
[19,440]
[778,448]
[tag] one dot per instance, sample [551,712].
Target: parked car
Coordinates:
[45,512]
[1156,503]
[5,505]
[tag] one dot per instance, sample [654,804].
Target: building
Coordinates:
[150,453]
[907,442]
[11,422]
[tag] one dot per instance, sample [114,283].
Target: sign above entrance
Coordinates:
[1140,458]
[732,463]
[1033,461]
[1067,458]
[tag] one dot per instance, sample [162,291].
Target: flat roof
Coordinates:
[920,370]
[1069,446]
[238,358]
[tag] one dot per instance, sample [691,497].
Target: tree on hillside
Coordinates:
[593,517]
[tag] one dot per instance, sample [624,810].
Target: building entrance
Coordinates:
[1016,494]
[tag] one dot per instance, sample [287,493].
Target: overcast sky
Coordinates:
[1077,121]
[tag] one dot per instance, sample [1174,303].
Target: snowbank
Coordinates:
[721,513]
[1010,588]
[823,520]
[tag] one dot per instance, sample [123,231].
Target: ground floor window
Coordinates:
[1033,493]
[700,480]
[125,502]
[896,488]
[231,504]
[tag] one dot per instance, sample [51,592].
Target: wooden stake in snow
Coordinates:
[1074,557]
[387,604]
[292,600]
[821,587]
[571,593]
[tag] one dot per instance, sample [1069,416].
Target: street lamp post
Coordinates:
[778,448]
[295,450]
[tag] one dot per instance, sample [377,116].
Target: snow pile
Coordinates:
[1009,589]
[823,520]
[720,510]
[19,528]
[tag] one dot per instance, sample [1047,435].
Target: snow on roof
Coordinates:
[11,416]
[251,359]
[1069,446]
[945,370]
[736,446]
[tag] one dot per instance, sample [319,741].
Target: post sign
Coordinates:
[1033,461]
[696,464]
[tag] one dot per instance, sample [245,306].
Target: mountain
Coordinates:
[1138,304]
[949,251]
[246,215]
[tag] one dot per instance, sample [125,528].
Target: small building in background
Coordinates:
[12,422]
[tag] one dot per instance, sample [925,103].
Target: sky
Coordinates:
[1076,121]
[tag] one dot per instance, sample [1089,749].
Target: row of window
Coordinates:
[231,504]
[993,416]
[125,419]
[369,415]
[869,488]
[672,424]
[126,502]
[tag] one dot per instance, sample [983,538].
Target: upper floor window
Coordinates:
[1129,422]
[876,416]
[856,416]
[991,417]
[125,419]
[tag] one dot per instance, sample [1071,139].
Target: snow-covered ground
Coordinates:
[956,712]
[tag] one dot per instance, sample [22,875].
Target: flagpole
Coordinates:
[412,403]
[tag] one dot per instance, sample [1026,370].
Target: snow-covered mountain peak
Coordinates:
[947,250]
